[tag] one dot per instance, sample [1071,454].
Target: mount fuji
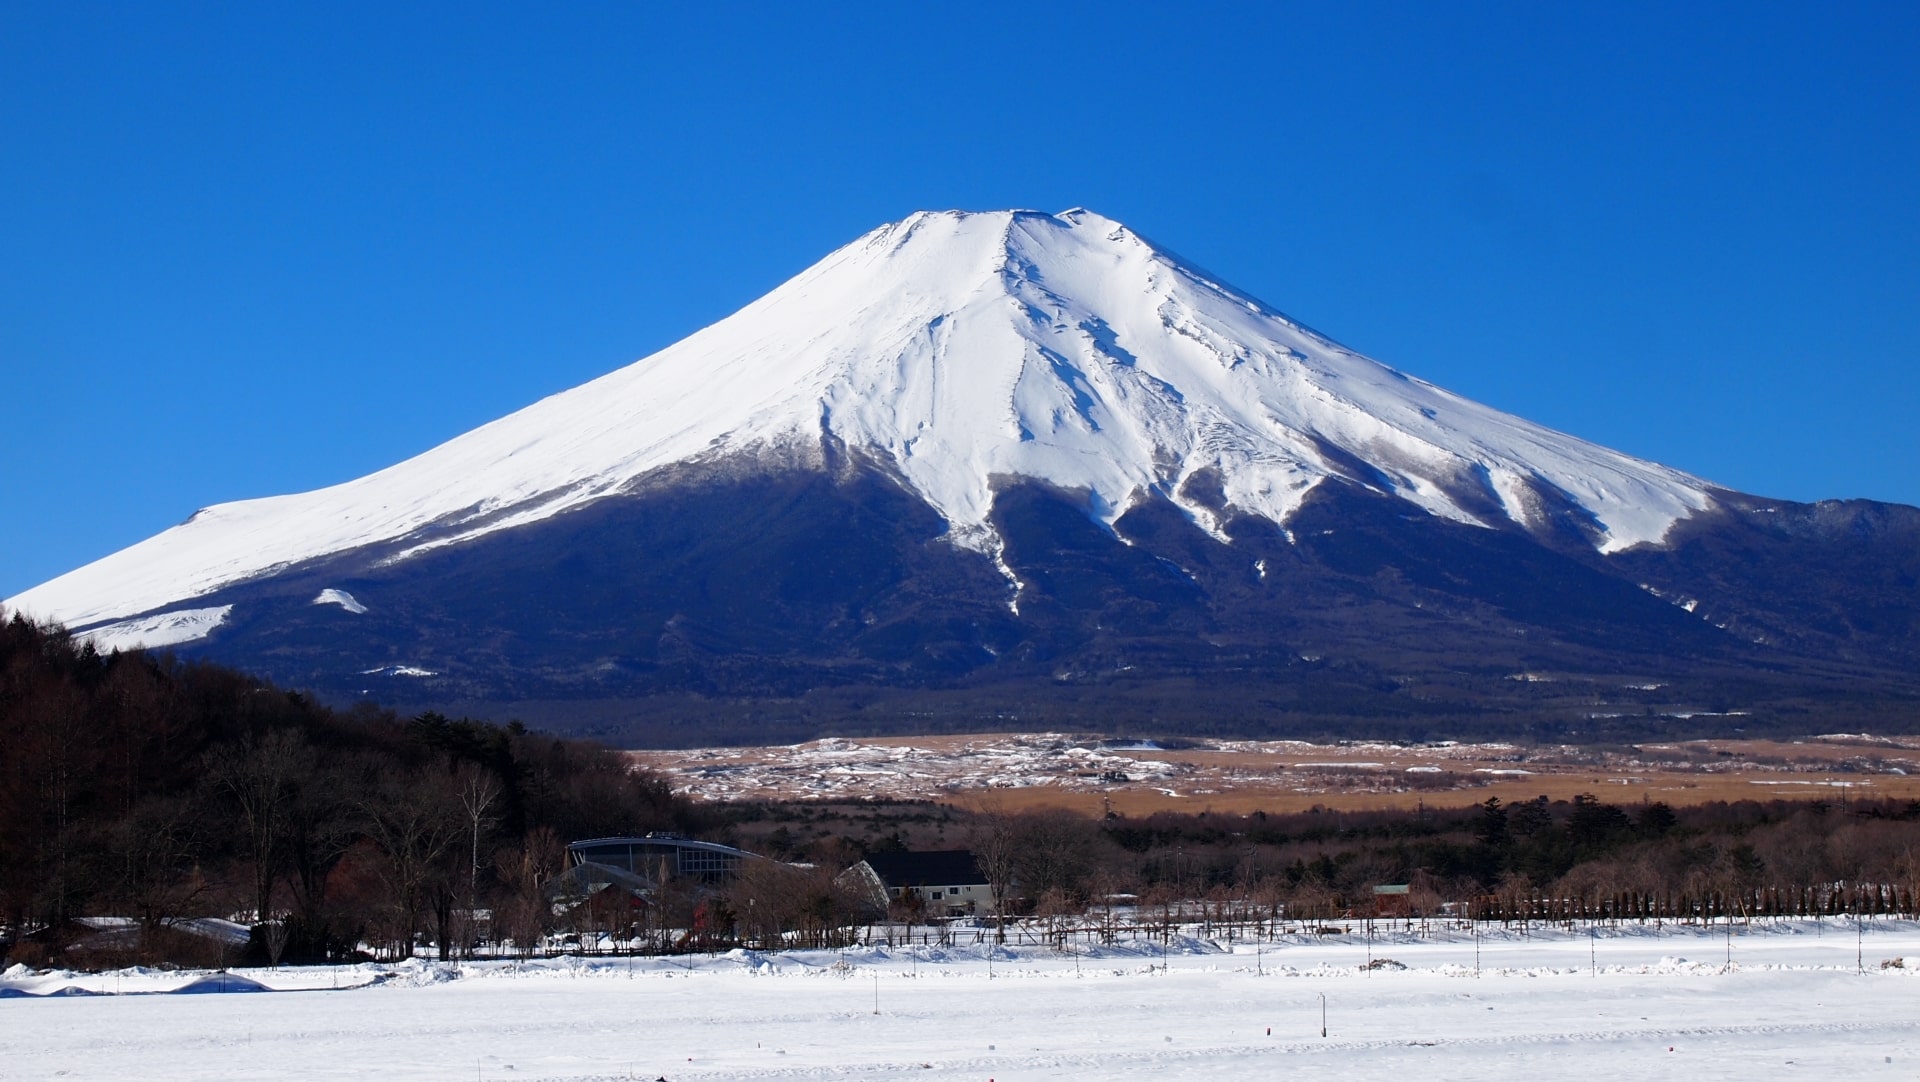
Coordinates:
[1010,469]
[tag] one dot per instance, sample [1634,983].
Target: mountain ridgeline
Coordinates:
[1017,470]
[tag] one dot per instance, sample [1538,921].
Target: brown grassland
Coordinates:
[1014,773]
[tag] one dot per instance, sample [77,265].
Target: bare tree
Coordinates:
[479,788]
[323,824]
[277,933]
[414,819]
[157,848]
[996,849]
[260,774]
[522,912]
[769,899]
[1054,851]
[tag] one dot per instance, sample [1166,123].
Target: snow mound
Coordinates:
[220,984]
[345,600]
[418,973]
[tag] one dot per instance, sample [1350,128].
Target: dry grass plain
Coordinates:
[1014,772]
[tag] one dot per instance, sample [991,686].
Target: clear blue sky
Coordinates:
[252,249]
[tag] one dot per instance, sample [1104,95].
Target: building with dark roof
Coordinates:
[944,882]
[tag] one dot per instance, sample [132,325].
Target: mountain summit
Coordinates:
[957,350]
[947,383]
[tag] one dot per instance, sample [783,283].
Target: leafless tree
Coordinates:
[1054,851]
[996,849]
[415,820]
[277,932]
[260,773]
[478,788]
[521,913]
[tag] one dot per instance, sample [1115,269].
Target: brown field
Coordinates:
[1674,790]
[1015,772]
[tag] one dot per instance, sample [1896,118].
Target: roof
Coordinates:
[660,839]
[939,867]
[585,879]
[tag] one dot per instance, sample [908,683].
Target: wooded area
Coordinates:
[1530,860]
[143,787]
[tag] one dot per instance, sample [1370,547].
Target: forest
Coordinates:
[140,786]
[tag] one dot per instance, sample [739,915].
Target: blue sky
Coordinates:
[252,249]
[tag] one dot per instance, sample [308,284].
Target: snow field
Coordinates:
[159,632]
[1626,1004]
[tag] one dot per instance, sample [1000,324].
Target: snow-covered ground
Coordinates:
[156,632]
[1628,1004]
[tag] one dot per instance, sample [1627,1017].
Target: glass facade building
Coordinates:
[658,857]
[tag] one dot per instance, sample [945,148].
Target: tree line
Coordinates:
[1537,860]
[1533,859]
[142,786]
[1583,856]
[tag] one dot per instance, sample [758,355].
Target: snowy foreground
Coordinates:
[1628,1004]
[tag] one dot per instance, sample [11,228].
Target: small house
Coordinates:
[1393,900]
[941,883]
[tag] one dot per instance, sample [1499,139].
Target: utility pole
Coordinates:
[1323,1014]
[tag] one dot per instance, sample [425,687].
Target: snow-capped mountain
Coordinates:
[957,349]
[861,474]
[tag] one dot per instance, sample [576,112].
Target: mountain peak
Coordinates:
[955,350]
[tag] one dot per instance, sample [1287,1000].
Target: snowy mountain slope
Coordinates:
[961,350]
